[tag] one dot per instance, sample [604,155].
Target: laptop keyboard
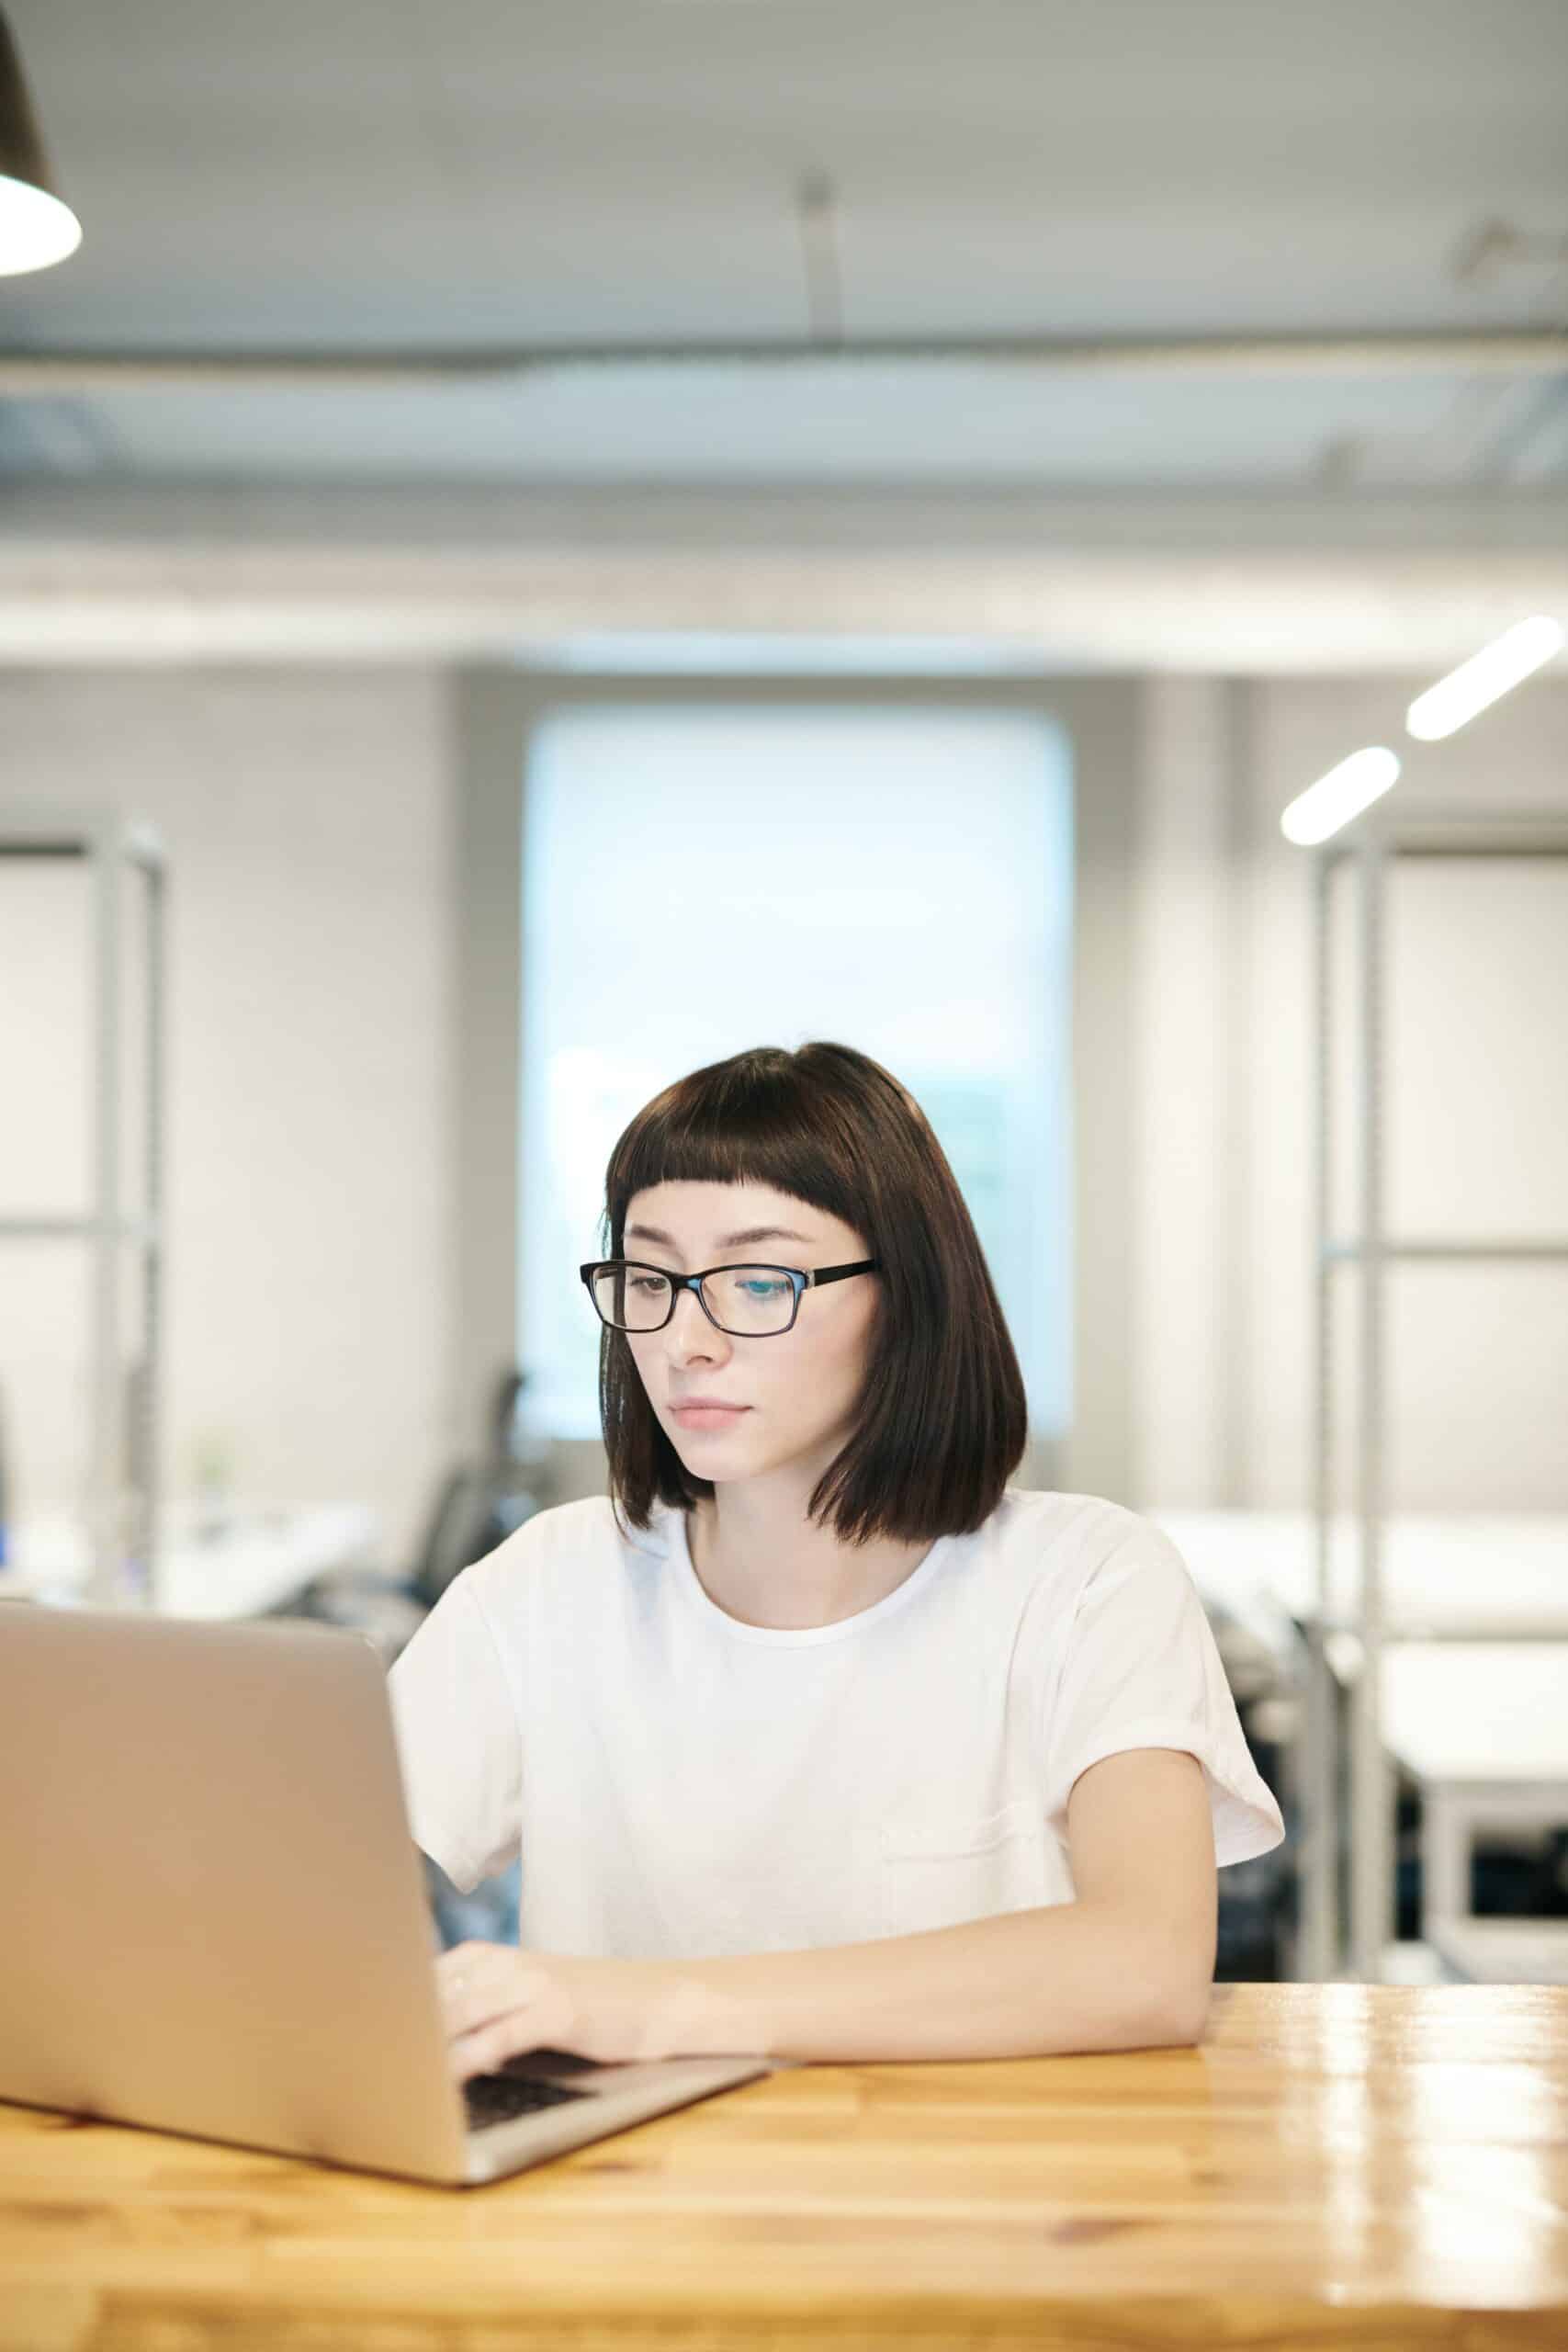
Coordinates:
[501,2097]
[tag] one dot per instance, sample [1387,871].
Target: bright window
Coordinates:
[701,879]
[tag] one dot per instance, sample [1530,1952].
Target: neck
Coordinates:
[764,1563]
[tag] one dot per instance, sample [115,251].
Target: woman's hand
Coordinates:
[498,2001]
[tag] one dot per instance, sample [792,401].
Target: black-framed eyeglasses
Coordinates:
[749,1302]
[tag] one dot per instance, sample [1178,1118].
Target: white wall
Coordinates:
[1476,1132]
[313,1281]
[1180,1098]
[305,813]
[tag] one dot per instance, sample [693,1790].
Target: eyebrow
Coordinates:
[725,1241]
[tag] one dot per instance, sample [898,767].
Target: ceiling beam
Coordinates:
[1513,351]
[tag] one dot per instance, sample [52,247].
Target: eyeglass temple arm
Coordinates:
[841,1274]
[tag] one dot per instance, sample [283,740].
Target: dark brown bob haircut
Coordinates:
[943,1419]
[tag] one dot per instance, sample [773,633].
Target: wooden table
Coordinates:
[1375,2166]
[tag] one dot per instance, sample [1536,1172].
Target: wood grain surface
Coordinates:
[1384,2167]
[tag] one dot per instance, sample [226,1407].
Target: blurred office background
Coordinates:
[561,543]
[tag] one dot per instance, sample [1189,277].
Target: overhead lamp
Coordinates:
[1443,708]
[37,226]
[1340,795]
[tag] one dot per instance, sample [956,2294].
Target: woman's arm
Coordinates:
[1127,1965]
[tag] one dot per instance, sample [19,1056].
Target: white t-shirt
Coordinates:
[681,1785]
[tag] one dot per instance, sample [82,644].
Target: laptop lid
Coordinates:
[218,1921]
[215,1920]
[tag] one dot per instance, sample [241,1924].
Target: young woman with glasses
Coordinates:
[815,1737]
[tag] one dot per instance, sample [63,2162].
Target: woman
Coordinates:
[818,1739]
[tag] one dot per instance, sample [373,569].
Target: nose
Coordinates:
[689,1332]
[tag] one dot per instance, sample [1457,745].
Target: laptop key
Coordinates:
[501,2099]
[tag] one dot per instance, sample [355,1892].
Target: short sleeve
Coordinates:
[459,1744]
[1142,1669]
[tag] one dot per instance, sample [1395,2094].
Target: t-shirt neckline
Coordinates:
[793,1636]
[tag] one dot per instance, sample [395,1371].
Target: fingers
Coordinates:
[468,1960]
[484,2015]
[484,2050]
[497,2002]
[475,1984]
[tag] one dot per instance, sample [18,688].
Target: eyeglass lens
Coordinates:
[747,1300]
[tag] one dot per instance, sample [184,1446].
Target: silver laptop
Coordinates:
[216,1920]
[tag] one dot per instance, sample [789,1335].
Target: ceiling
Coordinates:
[319,177]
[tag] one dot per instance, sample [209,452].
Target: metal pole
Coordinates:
[1318,1952]
[148,1420]
[107,1469]
[1371,1887]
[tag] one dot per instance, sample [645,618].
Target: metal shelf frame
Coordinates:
[1366,850]
[123,1488]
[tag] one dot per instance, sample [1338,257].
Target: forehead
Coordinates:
[722,1215]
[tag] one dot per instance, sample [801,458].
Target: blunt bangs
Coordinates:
[734,1125]
[944,1418]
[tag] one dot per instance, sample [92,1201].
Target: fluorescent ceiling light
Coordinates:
[1340,795]
[1445,706]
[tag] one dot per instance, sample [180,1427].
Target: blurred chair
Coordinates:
[477,1505]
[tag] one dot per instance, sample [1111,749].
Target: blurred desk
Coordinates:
[1482,1573]
[1335,2164]
[232,1568]
[1479,1724]
[1483,1730]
